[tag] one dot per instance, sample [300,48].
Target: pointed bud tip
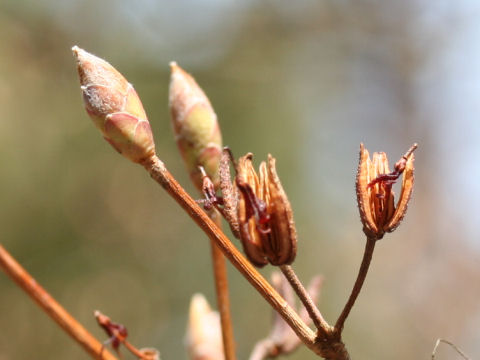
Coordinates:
[173,66]
[114,107]
[199,302]
[79,53]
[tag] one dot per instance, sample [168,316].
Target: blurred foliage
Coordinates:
[306,81]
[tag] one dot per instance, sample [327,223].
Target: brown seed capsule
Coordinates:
[375,196]
[114,107]
[266,225]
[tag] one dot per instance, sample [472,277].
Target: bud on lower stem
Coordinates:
[204,336]
[114,106]
[195,125]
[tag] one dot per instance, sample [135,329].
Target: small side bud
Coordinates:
[116,332]
[204,335]
[195,126]
[114,106]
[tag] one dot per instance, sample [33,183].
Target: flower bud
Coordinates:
[195,126]
[375,196]
[265,217]
[204,335]
[114,107]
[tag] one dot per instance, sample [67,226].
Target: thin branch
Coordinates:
[160,174]
[460,352]
[221,287]
[48,304]
[315,314]
[362,274]
[137,353]
[282,340]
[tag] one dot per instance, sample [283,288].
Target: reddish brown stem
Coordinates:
[160,174]
[48,304]
[306,300]
[362,274]
[134,350]
[223,298]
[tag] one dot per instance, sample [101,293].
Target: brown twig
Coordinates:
[48,304]
[282,340]
[460,352]
[362,274]
[315,314]
[136,352]
[160,174]
[221,287]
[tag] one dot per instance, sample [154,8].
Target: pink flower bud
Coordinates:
[114,107]
[195,125]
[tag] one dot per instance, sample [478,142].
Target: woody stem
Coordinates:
[362,274]
[48,304]
[137,353]
[312,310]
[221,287]
[160,174]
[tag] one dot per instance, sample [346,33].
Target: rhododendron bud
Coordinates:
[204,335]
[195,126]
[114,106]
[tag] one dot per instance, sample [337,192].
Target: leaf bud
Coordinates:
[204,335]
[114,106]
[195,126]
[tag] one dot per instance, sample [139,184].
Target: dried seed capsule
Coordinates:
[204,336]
[375,196]
[114,107]
[195,125]
[282,245]
[265,217]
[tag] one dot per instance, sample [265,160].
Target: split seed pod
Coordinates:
[375,196]
[195,125]
[114,106]
[265,217]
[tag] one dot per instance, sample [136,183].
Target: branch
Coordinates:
[48,304]
[160,174]
[282,340]
[362,274]
[221,287]
[306,300]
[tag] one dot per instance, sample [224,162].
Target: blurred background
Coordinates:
[306,81]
